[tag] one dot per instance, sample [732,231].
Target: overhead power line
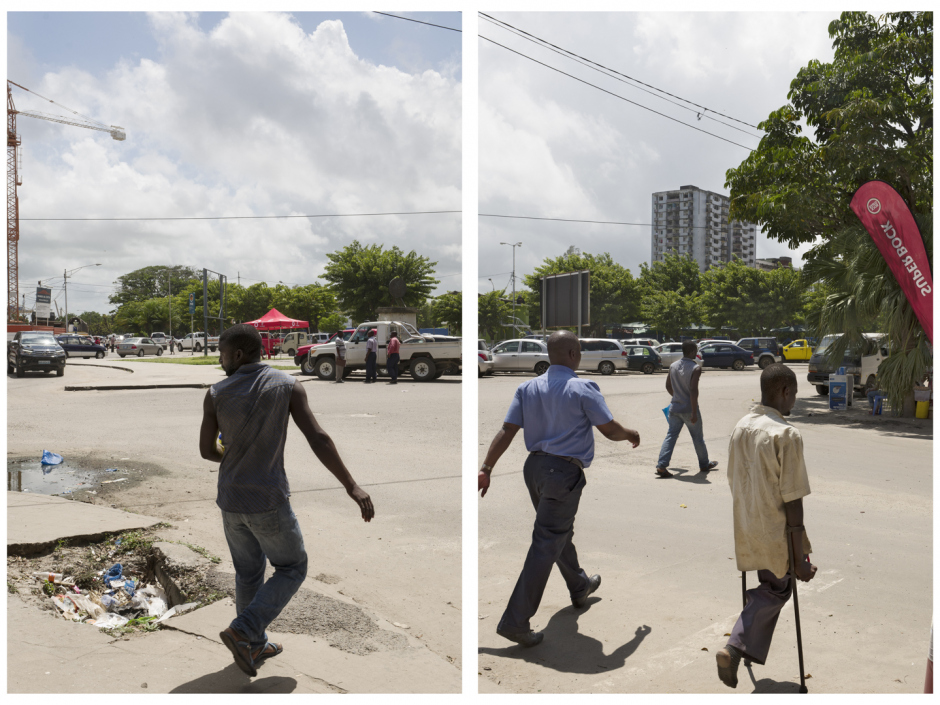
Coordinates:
[253,217]
[430,24]
[700,110]
[616,95]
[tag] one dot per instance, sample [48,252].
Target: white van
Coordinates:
[292,341]
[862,366]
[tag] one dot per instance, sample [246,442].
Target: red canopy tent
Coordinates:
[275,320]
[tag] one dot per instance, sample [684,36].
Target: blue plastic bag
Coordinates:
[666,412]
[50,458]
[114,573]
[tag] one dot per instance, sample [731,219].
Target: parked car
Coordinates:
[160,338]
[139,347]
[34,350]
[602,355]
[197,342]
[294,340]
[521,355]
[670,352]
[301,353]
[652,342]
[80,346]
[862,365]
[643,358]
[766,350]
[798,351]
[725,355]
[484,359]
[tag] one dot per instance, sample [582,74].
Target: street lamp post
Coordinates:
[65,286]
[513,245]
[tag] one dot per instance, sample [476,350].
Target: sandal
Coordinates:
[241,650]
[264,653]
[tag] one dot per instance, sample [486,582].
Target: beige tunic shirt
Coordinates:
[765,470]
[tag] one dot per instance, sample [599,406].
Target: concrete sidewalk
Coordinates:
[35,522]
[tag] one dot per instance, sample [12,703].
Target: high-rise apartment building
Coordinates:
[692,221]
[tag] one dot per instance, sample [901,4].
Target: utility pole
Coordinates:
[65,276]
[513,245]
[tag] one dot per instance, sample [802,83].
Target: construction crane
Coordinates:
[14,180]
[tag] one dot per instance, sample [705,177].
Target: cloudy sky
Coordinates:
[232,115]
[553,147]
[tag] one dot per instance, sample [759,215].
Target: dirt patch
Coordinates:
[328,579]
[344,626]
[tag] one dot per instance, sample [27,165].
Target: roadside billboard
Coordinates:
[43,299]
[566,300]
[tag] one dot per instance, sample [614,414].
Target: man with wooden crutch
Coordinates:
[768,481]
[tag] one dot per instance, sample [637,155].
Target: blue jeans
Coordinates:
[555,487]
[676,422]
[273,535]
[392,366]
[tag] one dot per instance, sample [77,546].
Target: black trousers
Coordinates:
[370,367]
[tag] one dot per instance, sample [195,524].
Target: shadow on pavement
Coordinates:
[231,679]
[815,411]
[566,650]
[769,685]
[683,475]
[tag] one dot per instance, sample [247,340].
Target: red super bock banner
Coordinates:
[889,222]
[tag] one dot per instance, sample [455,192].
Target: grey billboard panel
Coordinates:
[562,296]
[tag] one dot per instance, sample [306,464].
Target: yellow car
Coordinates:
[798,351]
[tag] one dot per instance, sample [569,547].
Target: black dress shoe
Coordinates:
[529,638]
[594,582]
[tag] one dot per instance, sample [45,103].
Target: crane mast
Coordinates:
[14,180]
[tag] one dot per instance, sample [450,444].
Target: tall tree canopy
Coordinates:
[360,276]
[614,294]
[152,282]
[751,301]
[871,111]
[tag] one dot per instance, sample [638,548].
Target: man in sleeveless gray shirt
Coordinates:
[252,409]
[682,384]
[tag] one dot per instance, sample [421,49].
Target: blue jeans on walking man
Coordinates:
[676,422]
[254,539]
[555,487]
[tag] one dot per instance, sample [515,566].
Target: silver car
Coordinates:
[603,355]
[139,347]
[670,352]
[521,356]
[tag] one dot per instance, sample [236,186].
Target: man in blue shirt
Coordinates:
[558,412]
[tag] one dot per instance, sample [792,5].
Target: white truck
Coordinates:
[197,342]
[425,357]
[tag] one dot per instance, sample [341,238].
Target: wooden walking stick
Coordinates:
[796,605]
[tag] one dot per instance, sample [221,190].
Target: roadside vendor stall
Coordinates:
[274,320]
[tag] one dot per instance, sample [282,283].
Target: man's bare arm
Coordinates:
[500,443]
[322,446]
[669,383]
[804,569]
[209,431]
[613,431]
[693,392]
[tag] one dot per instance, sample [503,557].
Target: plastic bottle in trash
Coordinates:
[51,577]
[108,602]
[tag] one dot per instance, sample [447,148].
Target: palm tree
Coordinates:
[864,293]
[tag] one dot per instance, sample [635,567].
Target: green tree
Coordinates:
[492,312]
[872,114]
[871,110]
[98,323]
[670,311]
[675,273]
[750,301]
[360,277]
[449,307]
[152,282]
[614,292]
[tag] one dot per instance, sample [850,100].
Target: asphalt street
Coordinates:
[398,442]
[664,547]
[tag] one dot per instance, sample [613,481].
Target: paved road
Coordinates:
[670,588]
[398,441]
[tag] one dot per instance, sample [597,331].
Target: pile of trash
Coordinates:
[120,602]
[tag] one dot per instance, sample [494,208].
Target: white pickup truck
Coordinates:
[197,341]
[425,357]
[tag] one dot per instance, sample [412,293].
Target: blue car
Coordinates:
[725,355]
[80,346]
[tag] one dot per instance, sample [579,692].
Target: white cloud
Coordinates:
[255,118]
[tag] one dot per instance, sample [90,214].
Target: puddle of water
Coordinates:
[62,479]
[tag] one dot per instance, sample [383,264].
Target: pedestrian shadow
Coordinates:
[683,475]
[566,650]
[769,685]
[232,679]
